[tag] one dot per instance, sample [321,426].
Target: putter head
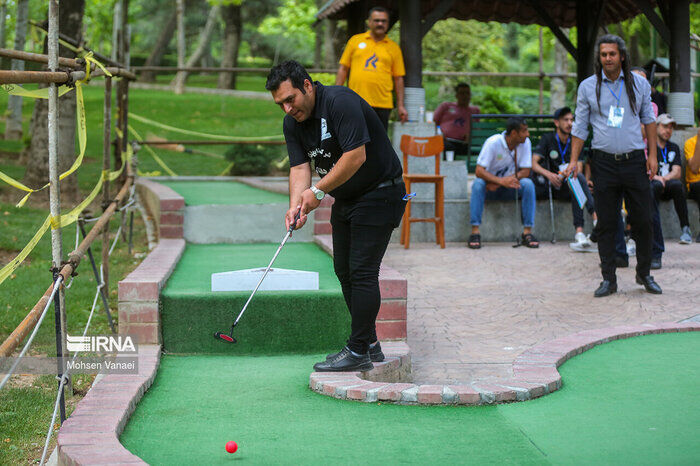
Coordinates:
[225,337]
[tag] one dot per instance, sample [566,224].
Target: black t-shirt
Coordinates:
[668,157]
[553,153]
[342,121]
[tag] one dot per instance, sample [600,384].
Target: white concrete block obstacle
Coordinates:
[277,279]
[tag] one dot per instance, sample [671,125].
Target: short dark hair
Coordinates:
[514,124]
[291,70]
[562,112]
[378,9]
[460,85]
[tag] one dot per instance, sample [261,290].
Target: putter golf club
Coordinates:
[228,337]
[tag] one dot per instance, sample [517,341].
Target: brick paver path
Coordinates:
[470,313]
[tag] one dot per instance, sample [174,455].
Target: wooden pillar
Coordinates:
[585,32]
[411,42]
[357,13]
[679,27]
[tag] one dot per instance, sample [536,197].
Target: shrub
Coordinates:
[252,160]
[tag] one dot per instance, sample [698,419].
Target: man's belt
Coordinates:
[395,181]
[619,157]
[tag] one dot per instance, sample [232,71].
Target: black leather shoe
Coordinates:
[606,288]
[345,361]
[655,264]
[621,262]
[375,353]
[649,284]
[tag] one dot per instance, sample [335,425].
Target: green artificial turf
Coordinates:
[223,192]
[631,401]
[274,322]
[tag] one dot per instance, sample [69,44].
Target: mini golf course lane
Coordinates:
[223,192]
[274,322]
[630,401]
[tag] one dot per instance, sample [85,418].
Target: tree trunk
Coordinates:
[231,42]
[13,126]
[3,29]
[160,47]
[204,39]
[329,55]
[70,22]
[561,65]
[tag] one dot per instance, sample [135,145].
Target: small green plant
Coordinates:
[252,160]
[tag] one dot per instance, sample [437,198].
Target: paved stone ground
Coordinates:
[471,312]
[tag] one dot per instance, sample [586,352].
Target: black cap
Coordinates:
[561,112]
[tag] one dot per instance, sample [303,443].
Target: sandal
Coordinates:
[474,242]
[530,241]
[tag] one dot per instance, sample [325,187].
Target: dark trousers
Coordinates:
[673,190]
[564,194]
[383,114]
[361,232]
[694,192]
[613,180]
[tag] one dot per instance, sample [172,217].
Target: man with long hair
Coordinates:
[616,103]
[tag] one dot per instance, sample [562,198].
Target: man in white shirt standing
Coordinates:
[502,169]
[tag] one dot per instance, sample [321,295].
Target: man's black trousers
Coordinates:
[614,179]
[361,231]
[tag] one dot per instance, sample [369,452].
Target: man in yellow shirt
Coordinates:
[376,67]
[692,169]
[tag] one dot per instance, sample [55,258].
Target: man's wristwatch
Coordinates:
[317,192]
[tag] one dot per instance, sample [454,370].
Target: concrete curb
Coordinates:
[534,372]
[91,434]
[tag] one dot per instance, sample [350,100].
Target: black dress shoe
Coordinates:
[649,284]
[375,353]
[606,288]
[345,361]
[655,264]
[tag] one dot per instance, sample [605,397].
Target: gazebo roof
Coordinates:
[563,12]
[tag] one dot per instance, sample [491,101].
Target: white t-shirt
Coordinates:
[498,160]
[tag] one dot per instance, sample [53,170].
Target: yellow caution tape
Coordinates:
[43,93]
[65,219]
[195,133]
[158,160]
[227,170]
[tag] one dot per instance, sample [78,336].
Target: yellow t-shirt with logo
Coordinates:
[689,150]
[373,66]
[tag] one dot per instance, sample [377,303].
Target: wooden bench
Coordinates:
[486,125]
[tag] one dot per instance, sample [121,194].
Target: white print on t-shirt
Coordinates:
[497,159]
[361,45]
[321,171]
[318,151]
[671,155]
[324,130]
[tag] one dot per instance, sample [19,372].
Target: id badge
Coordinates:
[615,116]
[563,167]
[664,169]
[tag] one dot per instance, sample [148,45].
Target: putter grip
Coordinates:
[296,219]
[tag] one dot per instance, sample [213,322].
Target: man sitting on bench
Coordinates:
[553,152]
[502,170]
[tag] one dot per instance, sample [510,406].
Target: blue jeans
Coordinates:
[526,192]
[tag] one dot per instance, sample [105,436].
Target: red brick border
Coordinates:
[166,207]
[534,372]
[391,321]
[91,434]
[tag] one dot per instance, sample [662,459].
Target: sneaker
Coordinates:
[631,247]
[686,237]
[345,361]
[375,353]
[582,247]
[580,237]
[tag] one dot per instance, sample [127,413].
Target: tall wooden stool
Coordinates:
[424,147]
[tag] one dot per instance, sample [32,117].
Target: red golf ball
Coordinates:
[231,447]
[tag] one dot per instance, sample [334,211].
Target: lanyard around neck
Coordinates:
[617,97]
[566,146]
[664,152]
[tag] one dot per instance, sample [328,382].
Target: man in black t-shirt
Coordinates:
[667,185]
[334,129]
[549,159]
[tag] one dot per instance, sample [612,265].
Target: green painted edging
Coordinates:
[223,192]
